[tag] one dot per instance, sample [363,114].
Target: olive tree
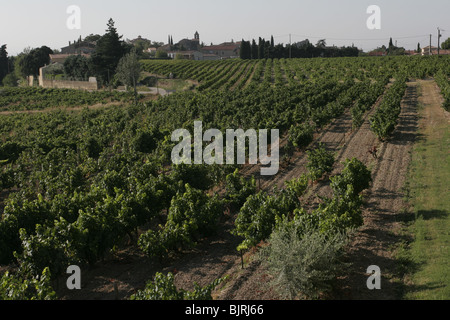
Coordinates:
[129,70]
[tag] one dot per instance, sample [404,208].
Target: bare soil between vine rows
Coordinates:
[128,269]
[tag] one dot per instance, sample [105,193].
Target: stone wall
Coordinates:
[67,84]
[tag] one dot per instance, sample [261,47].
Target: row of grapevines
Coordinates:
[385,118]
[444,85]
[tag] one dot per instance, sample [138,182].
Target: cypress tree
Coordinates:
[110,49]
[261,46]
[254,49]
[272,47]
[4,63]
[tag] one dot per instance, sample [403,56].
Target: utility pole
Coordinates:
[290,47]
[439,39]
[430,45]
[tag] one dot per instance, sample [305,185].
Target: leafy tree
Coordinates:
[31,63]
[321,43]
[10,80]
[140,45]
[128,71]
[92,38]
[161,54]
[78,67]
[446,44]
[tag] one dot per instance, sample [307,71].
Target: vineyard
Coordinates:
[77,187]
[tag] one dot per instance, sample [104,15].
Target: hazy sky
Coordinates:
[35,23]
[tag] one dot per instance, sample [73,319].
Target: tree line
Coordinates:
[266,49]
[102,63]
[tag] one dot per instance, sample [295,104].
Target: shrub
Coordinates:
[303,261]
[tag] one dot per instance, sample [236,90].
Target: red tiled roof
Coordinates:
[221,47]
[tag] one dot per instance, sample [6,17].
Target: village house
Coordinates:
[60,58]
[434,51]
[227,50]
[79,47]
[187,55]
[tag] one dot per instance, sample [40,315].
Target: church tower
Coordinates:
[196,36]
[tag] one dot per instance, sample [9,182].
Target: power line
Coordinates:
[359,39]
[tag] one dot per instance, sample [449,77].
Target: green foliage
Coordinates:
[320,162]
[298,185]
[257,217]
[355,173]
[31,62]
[197,176]
[14,287]
[357,116]
[340,213]
[37,98]
[161,54]
[78,67]
[446,44]
[10,151]
[108,52]
[4,62]
[79,182]
[301,135]
[238,189]
[192,214]
[343,211]
[163,288]
[10,80]
[302,260]
[47,248]
[145,141]
[444,84]
[129,70]
[383,122]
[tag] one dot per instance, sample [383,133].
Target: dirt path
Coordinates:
[374,242]
[217,256]
[68,109]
